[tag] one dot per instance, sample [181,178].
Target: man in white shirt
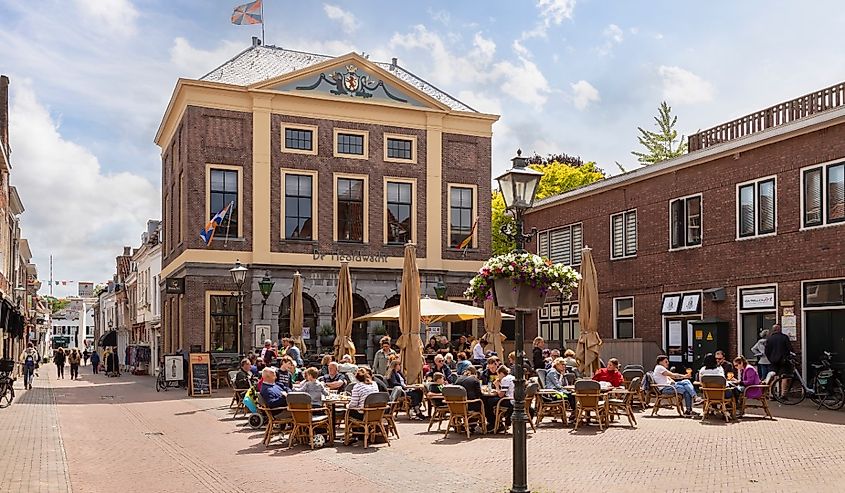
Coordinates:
[678,382]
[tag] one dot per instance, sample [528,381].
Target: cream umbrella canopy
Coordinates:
[343,314]
[589,342]
[493,326]
[410,344]
[431,311]
[296,313]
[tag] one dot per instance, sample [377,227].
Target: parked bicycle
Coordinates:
[827,389]
[162,383]
[7,390]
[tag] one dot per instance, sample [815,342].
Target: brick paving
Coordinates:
[119,433]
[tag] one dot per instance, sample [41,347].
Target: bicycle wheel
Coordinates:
[161,384]
[834,398]
[7,394]
[788,390]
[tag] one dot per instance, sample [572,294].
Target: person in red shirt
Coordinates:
[610,374]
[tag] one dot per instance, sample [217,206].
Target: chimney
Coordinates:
[256,41]
[4,112]
[127,251]
[393,63]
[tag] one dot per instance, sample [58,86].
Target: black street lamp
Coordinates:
[265,285]
[239,276]
[519,186]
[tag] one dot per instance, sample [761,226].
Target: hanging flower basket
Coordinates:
[520,281]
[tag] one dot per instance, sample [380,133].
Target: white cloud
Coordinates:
[613,35]
[441,16]
[195,62]
[523,81]
[522,51]
[74,210]
[116,16]
[484,47]
[583,93]
[681,86]
[348,22]
[446,67]
[553,12]
[481,102]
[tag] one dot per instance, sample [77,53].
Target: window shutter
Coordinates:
[813,197]
[567,246]
[677,223]
[617,236]
[559,239]
[746,210]
[577,244]
[543,244]
[836,193]
[631,233]
[766,201]
[693,221]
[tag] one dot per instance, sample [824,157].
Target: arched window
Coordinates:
[311,315]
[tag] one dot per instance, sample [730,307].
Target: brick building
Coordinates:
[325,159]
[746,229]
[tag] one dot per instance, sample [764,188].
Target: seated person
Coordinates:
[333,379]
[675,381]
[364,386]
[528,371]
[292,351]
[469,381]
[435,389]
[505,389]
[287,375]
[440,366]
[462,344]
[554,381]
[396,381]
[710,367]
[478,351]
[747,376]
[243,380]
[431,347]
[273,394]
[312,387]
[553,355]
[489,375]
[610,374]
[569,358]
[259,365]
[450,361]
[324,364]
[382,387]
[726,365]
[463,363]
[347,365]
[443,345]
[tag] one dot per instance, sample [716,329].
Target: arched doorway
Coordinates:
[360,307]
[311,316]
[392,326]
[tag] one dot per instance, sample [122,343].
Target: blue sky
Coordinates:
[91,79]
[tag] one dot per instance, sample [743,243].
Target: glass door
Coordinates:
[752,325]
[678,342]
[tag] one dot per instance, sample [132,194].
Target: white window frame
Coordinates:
[805,309]
[740,311]
[700,220]
[616,318]
[548,233]
[824,198]
[625,253]
[738,211]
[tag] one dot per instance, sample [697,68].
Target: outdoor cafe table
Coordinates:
[336,404]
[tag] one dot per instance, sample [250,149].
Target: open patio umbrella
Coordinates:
[296,313]
[410,344]
[343,314]
[431,311]
[493,326]
[589,342]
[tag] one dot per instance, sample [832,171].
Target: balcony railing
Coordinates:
[780,114]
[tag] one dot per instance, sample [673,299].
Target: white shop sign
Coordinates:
[758,300]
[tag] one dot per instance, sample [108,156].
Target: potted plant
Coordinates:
[326,335]
[379,331]
[520,280]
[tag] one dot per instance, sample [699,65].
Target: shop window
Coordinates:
[756,208]
[825,293]
[223,329]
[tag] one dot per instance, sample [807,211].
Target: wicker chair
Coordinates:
[639,397]
[541,376]
[624,406]
[437,408]
[372,424]
[766,387]
[588,400]
[716,396]
[569,378]
[279,421]
[461,418]
[305,421]
[554,407]
[237,402]
[663,394]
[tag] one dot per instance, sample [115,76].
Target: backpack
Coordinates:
[29,361]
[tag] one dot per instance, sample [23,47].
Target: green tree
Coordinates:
[557,178]
[663,144]
[56,304]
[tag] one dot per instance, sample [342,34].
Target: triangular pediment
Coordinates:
[352,77]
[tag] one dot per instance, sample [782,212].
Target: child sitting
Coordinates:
[313,387]
[435,389]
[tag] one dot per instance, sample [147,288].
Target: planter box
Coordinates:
[522,297]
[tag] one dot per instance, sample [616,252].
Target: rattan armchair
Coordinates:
[461,417]
[766,387]
[664,394]
[372,423]
[589,400]
[624,406]
[716,396]
[307,418]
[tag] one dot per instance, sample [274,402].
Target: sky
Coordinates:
[90,80]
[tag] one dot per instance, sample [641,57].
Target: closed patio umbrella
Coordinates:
[493,326]
[343,314]
[296,313]
[589,342]
[409,342]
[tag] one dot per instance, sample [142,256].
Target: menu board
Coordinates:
[199,368]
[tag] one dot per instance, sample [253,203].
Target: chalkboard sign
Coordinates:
[200,375]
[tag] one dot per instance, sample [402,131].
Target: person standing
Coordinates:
[778,350]
[74,358]
[59,360]
[85,355]
[537,357]
[292,351]
[382,357]
[759,350]
[29,362]
[95,361]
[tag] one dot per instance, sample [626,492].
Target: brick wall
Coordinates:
[467,160]
[786,258]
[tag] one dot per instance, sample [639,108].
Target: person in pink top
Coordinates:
[747,376]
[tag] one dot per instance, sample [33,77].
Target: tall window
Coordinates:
[685,220]
[562,245]
[399,207]
[824,195]
[461,213]
[400,148]
[224,323]
[300,139]
[350,210]
[623,318]
[350,144]
[756,208]
[623,234]
[224,190]
[298,190]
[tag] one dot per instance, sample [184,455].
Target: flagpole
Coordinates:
[263,41]
[229,219]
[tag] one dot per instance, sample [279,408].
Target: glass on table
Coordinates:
[689,372]
[730,375]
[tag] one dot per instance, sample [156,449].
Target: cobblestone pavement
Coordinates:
[118,434]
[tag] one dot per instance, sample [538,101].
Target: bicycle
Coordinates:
[162,383]
[7,390]
[827,390]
